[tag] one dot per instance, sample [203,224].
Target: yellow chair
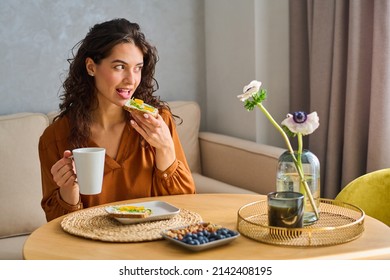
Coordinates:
[370,192]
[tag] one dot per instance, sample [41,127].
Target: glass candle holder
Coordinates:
[285,209]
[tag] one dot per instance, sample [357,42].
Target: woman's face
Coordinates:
[118,75]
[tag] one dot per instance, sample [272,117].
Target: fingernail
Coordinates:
[146,116]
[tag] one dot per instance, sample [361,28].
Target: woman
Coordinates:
[144,156]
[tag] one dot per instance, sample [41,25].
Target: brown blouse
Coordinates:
[132,174]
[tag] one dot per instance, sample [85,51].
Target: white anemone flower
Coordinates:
[250,90]
[300,122]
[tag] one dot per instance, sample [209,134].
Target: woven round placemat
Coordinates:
[95,223]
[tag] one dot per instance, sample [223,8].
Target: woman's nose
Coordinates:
[129,77]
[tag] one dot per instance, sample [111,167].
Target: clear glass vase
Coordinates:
[287,179]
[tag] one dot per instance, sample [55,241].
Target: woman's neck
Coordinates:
[107,116]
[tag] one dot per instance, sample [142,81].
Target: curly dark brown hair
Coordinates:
[79,97]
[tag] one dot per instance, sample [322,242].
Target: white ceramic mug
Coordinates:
[89,169]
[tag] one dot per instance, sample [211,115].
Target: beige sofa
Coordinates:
[220,164]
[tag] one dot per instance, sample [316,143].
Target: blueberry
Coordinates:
[221,236]
[188,238]
[223,231]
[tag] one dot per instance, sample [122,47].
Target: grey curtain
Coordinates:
[340,67]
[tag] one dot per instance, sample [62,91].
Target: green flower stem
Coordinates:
[298,164]
[277,126]
[299,158]
[300,147]
[307,189]
[304,187]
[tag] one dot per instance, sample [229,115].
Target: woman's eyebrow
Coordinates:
[119,61]
[124,62]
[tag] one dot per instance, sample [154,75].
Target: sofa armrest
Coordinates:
[239,162]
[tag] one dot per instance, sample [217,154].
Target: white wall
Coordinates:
[36,38]
[230,64]
[246,40]
[209,49]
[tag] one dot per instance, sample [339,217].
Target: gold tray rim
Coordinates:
[310,230]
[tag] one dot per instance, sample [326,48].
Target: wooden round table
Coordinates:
[50,241]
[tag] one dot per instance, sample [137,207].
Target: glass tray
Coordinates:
[339,222]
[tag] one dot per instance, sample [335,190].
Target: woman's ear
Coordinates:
[90,66]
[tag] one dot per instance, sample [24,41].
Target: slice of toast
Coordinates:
[140,105]
[132,212]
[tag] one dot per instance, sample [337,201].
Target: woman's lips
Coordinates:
[124,93]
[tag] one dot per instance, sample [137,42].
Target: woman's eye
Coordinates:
[119,67]
[138,69]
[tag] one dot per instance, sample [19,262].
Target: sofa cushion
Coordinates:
[11,248]
[239,162]
[208,185]
[188,130]
[20,173]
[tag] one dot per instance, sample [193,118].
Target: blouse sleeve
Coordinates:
[177,178]
[50,151]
